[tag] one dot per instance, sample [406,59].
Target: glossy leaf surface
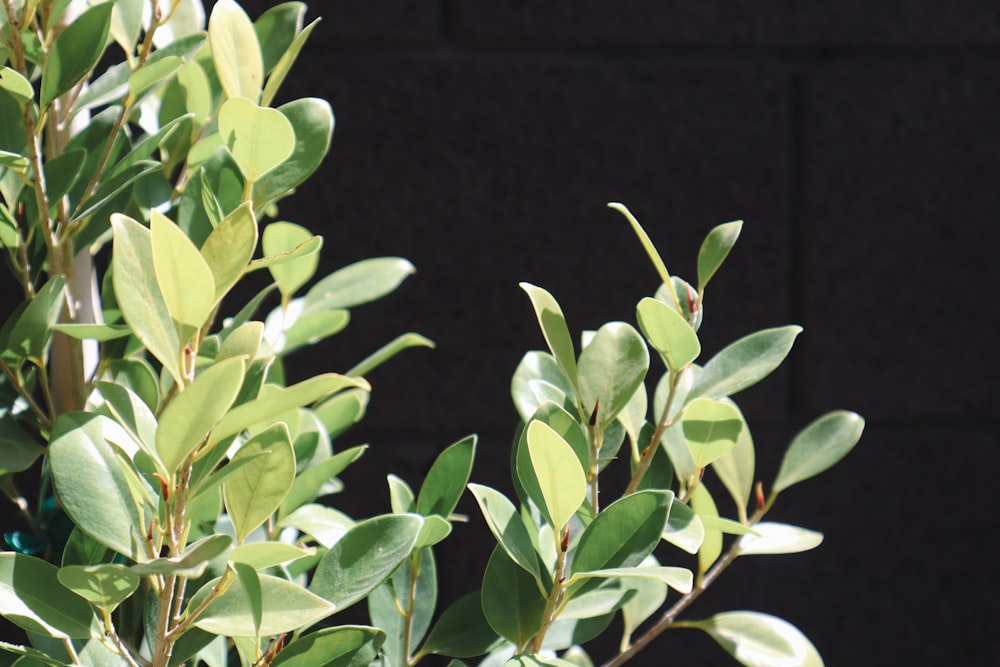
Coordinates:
[342,646]
[554,329]
[505,523]
[561,480]
[778,538]
[760,640]
[744,363]
[512,603]
[715,248]
[235,51]
[285,607]
[32,598]
[446,480]
[668,332]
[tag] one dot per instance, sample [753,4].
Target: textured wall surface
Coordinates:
[859,141]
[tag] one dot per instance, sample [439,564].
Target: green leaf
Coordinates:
[736,468]
[136,375]
[75,51]
[283,237]
[342,411]
[133,414]
[193,413]
[624,533]
[98,332]
[32,598]
[260,138]
[538,379]
[105,586]
[19,450]
[342,646]
[505,523]
[286,608]
[243,341]
[714,250]
[678,578]
[447,478]
[744,363]
[711,547]
[434,530]
[285,64]
[390,602]
[235,51]
[818,447]
[18,87]
[561,479]
[760,640]
[512,603]
[250,583]
[684,528]
[647,243]
[358,283]
[668,332]
[612,367]
[192,563]
[309,482]
[62,172]
[312,121]
[14,161]
[401,498]
[280,401]
[276,29]
[94,487]
[711,429]
[555,331]
[262,555]
[324,524]
[230,247]
[255,492]
[183,275]
[648,597]
[30,336]
[139,296]
[126,22]
[388,351]
[364,557]
[462,631]
[778,538]
[152,75]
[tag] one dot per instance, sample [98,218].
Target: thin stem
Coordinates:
[119,645]
[68,643]
[414,572]
[669,617]
[558,582]
[44,420]
[188,620]
[664,423]
[594,437]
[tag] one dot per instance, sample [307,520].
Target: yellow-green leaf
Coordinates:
[183,275]
[235,51]
[560,476]
[259,138]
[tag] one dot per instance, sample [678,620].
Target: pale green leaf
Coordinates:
[255,492]
[262,555]
[555,331]
[152,75]
[230,247]
[761,640]
[192,563]
[284,65]
[18,87]
[194,412]
[668,332]
[818,447]
[260,138]
[105,586]
[138,293]
[324,524]
[561,478]
[678,578]
[281,401]
[312,121]
[711,429]
[711,546]
[736,469]
[235,51]
[714,250]
[183,275]
[778,538]
[684,528]
[309,483]
[283,237]
[286,607]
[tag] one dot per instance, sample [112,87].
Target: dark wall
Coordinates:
[860,143]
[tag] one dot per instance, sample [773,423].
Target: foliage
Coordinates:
[183,482]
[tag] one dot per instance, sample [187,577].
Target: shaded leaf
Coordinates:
[505,523]
[624,533]
[462,631]
[342,646]
[75,51]
[312,121]
[512,603]
[32,598]
[446,480]
[105,586]
[555,331]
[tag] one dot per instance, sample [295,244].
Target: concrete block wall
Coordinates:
[857,140]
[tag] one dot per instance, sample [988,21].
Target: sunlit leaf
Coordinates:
[711,546]
[778,538]
[235,51]
[255,492]
[286,607]
[668,332]
[284,65]
[715,248]
[260,138]
[312,121]
[446,480]
[342,646]
[230,247]
[744,363]
[711,429]
[818,447]
[561,479]
[32,598]
[505,523]
[611,368]
[761,640]
[105,586]
[555,331]
[283,237]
